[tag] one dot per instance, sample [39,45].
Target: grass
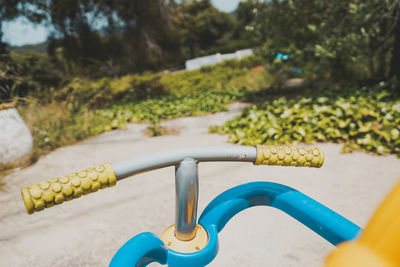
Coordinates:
[88,108]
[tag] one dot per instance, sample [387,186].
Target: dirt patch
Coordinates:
[257,69]
[158,130]
[9,105]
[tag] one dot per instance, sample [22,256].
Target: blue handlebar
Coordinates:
[146,247]
[322,220]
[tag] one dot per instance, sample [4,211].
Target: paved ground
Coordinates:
[89,230]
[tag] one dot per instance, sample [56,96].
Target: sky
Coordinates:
[21,32]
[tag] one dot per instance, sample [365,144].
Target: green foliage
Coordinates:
[107,91]
[103,38]
[345,42]
[33,74]
[341,42]
[52,78]
[251,19]
[39,48]
[85,108]
[207,78]
[169,107]
[201,27]
[132,35]
[53,125]
[8,81]
[155,129]
[365,119]
[278,72]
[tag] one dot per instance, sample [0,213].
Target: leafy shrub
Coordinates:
[169,107]
[107,91]
[8,83]
[224,75]
[155,129]
[365,119]
[35,73]
[58,124]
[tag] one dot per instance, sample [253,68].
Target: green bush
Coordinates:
[169,107]
[363,119]
[107,91]
[224,75]
[35,73]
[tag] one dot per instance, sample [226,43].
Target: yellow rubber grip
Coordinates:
[289,156]
[55,191]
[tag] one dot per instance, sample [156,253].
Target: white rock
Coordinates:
[15,139]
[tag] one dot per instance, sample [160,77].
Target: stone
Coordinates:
[15,140]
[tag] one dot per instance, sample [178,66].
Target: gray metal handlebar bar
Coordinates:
[172,158]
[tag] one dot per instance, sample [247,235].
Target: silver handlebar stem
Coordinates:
[187,194]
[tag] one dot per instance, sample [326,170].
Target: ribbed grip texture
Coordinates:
[55,191]
[289,156]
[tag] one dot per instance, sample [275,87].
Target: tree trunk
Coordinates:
[395,64]
[3,46]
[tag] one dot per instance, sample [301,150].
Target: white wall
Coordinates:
[199,62]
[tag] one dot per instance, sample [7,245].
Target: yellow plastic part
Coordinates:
[353,254]
[197,243]
[289,156]
[55,191]
[379,243]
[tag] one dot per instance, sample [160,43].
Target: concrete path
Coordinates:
[89,230]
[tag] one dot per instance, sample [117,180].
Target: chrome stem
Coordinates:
[187,192]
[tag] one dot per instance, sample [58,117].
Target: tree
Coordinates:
[395,61]
[11,9]
[201,27]
[251,16]
[341,41]
[8,10]
[3,46]
[101,32]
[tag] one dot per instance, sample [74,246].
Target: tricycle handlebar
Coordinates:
[55,191]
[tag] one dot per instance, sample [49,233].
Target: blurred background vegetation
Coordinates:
[107,63]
